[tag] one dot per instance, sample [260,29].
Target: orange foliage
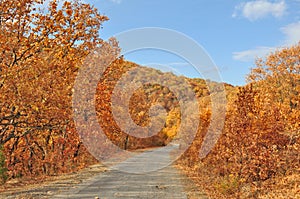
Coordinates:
[260,141]
[139,104]
[41,52]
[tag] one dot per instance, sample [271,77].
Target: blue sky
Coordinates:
[233,33]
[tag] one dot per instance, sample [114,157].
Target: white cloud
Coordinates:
[254,10]
[291,37]
[251,55]
[292,33]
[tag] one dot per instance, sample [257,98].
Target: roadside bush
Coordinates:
[3,169]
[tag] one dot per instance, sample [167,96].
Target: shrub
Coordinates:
[3,169]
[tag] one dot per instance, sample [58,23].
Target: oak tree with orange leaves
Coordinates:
[260,142]
[41,50]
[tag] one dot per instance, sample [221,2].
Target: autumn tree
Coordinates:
[42,48]
[260,140]
[139,105]
[277,78]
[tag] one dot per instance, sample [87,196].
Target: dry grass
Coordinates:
[46,187]
[280,187]
[287,187]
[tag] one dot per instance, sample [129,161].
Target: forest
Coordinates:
[41,52]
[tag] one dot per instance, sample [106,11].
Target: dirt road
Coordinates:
[137,177]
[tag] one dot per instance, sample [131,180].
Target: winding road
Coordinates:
[149,174]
